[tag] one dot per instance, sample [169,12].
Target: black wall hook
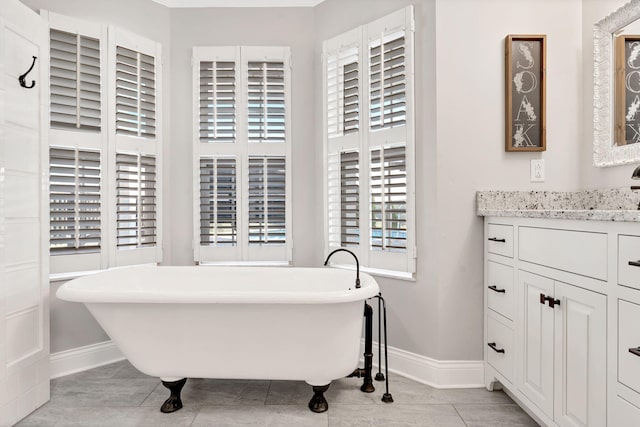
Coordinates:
[22,77]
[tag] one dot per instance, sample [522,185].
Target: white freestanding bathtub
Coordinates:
[230,322]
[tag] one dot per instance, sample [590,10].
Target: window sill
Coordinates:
[391,274]
[244,263]
[64,277]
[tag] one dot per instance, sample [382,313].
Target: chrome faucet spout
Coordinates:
[354,256]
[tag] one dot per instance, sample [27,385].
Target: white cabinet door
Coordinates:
[24,315]
[536,323]
[581,357]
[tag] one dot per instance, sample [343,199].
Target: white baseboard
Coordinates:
[82,358]
[435,373]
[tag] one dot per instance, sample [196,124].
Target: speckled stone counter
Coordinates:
[618,204]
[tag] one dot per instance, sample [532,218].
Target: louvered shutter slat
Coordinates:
[387,76]
[218,221]
[389,199]
[217,101]
[136,201]
[267,204]
[266,109]
[74,81]
[135,93]
[349,199]
[75,223]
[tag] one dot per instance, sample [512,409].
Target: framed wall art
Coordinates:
[525,125]
[627,89]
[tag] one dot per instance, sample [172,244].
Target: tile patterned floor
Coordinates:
[118,395]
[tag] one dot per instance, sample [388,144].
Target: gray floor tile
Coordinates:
[394,415]
[120,395]
[271,415]
[110,417]
[208,392]
[510,415]
[70,392]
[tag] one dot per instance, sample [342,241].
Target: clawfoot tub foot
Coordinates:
[173,403]
[318,403]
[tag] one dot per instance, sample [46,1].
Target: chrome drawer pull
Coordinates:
[634,263]
[494,288]
[635,351]
[495,239]
[494,348]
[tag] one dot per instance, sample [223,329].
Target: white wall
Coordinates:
[470,138]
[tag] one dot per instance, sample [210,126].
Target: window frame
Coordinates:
[242,253]
[380,262]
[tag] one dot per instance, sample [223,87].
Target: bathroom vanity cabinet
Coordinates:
[562,318]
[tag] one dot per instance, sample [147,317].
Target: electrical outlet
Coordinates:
[537,170]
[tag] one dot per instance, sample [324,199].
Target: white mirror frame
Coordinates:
[605,153]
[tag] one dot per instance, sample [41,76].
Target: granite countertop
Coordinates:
[618,204]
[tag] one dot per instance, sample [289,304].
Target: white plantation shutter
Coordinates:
[136,201]
[74,188]
[135,93]
[389,199]
[267,207]
[343,97]
[218,200]
[135,151]
[241,154]
[349,199]
[266,101]
[75,81]
[387,90]
[369,137]
[217,101]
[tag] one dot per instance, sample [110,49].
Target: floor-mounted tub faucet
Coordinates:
[357,263]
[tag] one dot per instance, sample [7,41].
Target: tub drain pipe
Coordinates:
[367,385]
[386,397]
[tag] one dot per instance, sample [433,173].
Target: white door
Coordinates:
[24,313]
[581,343]
[536,370]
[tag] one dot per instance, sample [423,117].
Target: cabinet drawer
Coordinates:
[500,289]
[579,252]
[629,252]
[628,338]
[500,239]
[500,352]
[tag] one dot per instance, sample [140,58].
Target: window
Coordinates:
[241,155]
[104,164]
[369,144]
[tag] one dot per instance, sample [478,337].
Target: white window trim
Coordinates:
[383,263]
[134,145]
[242,252]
